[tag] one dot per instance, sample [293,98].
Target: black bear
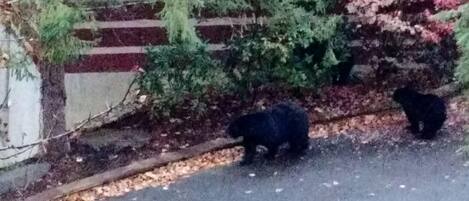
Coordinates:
[283,123]
[419,108]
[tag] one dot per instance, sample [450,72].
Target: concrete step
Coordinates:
[18,177]
[130,11]
[138,10]
[110,37]
[120,59]
[138,49]
[146,23]
[145,32]
[105,63]
[125,36]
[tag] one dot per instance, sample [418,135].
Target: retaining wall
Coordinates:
[21,118]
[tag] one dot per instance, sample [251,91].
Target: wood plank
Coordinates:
[132,169]
[147,23]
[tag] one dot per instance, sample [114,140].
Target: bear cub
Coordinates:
[282,123]
[428,109]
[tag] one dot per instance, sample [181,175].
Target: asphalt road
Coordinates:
[337,170]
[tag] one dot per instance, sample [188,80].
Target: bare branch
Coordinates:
[129,88]
[4,103]
[16,154]
[77,128]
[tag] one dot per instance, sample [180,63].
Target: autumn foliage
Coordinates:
[411,17]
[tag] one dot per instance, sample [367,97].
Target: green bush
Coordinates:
[274,52]
[462,38]
[181,72]
[461,18]
[176,15]
[184,70]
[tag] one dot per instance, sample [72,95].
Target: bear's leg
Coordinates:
[299,146]
[414,126]
[430,128]
[272,152]
[249,153]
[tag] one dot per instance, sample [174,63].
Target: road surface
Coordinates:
[334,170]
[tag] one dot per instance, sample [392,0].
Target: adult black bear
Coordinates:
[283,123]
[421,108]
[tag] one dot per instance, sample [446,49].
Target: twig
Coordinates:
[129,88]
[27,172]
[5,100]
[76,128]
[16,154]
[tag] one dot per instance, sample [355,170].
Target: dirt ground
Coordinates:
[363,131]
[183,129]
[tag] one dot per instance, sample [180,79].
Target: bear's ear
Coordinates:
[410,85]
[396,96]
[407,88]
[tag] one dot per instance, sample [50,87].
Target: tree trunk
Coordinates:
[53,107]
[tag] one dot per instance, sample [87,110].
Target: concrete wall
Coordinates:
[3,110]
[24,103]
[92,93]
[102,76]
[25,122]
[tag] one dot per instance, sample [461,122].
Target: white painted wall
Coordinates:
[87,94]
[4,110]
[92,93]
[24,102]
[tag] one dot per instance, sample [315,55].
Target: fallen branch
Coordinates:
[132,169]
[45,140]
[106,117]
[80,127]
[16,154]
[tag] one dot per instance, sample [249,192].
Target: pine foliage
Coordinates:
[45,29]
[55,26]
[462,38]
[461,29]
[268,54]
[176,15]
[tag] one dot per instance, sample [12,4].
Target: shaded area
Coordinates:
[337,170]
